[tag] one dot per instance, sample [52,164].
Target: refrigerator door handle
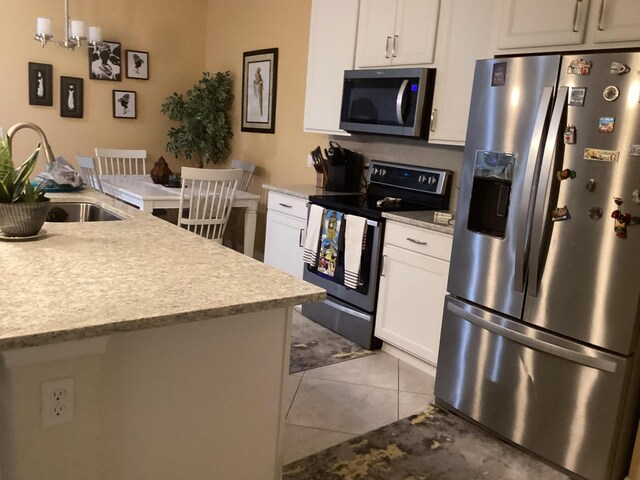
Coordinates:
[525,212]
[490,322]
[541,199]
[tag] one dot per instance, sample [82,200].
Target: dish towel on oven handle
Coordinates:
[354,240]
[312,240]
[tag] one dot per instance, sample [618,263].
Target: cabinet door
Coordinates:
[283,243]
[461,41]
[415,32]
[527,23]
[410,301]
[376,27]
[618,21]
[332,44]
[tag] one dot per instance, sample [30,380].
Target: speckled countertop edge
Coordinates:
[302,191]
[98,278]
[419,219]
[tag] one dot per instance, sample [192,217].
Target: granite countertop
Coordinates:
[301,191]
[83,280]
[424,219]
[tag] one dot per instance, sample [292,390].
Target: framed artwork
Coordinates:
[40,84]
[259,81]
[124,104]
[137,64]
[104,61]
[71,97]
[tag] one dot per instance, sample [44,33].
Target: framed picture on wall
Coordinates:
[124,104]
[137,64]
[40,84]
[104,61]
[71,97]
[259,79]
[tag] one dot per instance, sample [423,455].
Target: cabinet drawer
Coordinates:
[419,240]
[294,206]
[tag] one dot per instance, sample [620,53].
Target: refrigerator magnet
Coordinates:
[618,68]
[595,213]
[576,96]
[634,150]
[606,124]
[570,135]
[611,93]
[559,214]
[499,74]
[610,156]
[579,66]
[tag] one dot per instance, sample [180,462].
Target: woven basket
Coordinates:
[23,219]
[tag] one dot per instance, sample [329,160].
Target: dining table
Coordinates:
[141,192]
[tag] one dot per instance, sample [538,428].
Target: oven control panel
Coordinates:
[426,180]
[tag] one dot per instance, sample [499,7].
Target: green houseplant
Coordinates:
[205,130]
[23,207]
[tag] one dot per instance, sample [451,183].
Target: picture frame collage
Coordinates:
[105,62]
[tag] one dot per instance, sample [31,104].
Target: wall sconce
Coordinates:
[73,31]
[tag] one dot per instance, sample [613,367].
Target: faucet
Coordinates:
[48,153]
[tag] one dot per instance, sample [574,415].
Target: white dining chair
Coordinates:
[247,168]
[115,161]
[88,172]
[206,199]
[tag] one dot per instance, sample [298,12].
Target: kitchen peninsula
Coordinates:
[177,347]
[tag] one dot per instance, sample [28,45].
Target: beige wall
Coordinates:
[175,44]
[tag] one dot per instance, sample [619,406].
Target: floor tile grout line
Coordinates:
[351,383]
[330,430]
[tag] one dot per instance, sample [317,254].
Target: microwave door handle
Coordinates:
[525,211]
[540,219]
[399,101]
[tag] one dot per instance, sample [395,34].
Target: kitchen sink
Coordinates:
[80,212]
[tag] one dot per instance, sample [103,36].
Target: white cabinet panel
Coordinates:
[332,43]
[286,228]
[411,301]
[527,23]
[618,21]
[396,32]
[462,39]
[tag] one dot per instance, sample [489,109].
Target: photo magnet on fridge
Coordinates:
[499,74]
[576,97]
[606,124]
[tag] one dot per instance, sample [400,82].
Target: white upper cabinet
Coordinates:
[396,32]
[527,23]
[553,24]
[460,43]
[618,21]
[332,44]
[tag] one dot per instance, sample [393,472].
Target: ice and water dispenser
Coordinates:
[490,193]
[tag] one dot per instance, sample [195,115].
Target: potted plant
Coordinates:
[205,130]
[23,207]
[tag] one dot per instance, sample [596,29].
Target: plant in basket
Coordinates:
[23,207]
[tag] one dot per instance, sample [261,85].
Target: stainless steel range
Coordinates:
[391,187]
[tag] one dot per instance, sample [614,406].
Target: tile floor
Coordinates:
[331,404]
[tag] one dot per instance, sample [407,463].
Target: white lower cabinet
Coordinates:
[286,228]
[413,285]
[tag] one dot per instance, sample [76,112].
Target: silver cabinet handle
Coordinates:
[285,205]
[393,48]
[576,15]
[603,7]
[417,242]
[300,244]
[386,48]
[434,115]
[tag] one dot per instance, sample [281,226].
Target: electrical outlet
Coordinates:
[56,405]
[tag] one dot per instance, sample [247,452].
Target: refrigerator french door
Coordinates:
[540,329]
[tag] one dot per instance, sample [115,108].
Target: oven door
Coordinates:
[364,296]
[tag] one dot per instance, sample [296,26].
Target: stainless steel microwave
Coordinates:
[390,101]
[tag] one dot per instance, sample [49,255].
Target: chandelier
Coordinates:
[74,32]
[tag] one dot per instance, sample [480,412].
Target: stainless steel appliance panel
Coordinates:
[508,118]
[554,397]
[588,285]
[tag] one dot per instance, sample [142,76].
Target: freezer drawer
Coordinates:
[558,399]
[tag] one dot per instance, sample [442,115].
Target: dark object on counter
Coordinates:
[344,169]
[160,172]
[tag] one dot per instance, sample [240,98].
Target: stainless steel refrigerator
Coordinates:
[540,329]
